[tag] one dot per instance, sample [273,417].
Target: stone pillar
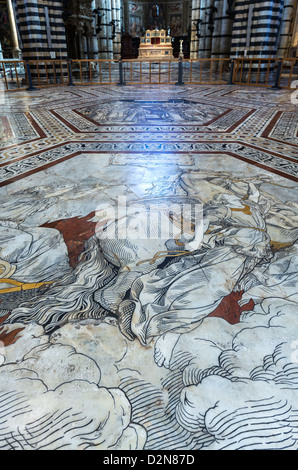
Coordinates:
[264,28]
[16,51]
[88,42]
[286,29]
[94,35]
[216,36]
[109,44]
[109,47]
[203,14]
[81,43]
[294,41]
[34,33]
[116,17]
[226,30]
[195,15]
[209,27]
[103,45]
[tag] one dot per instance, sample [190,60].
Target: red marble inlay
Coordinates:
[7,338]
[8,133]
[229,308]
[75,231]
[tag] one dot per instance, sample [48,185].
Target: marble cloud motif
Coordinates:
[159,298]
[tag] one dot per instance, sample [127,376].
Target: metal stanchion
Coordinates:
[231,81]
[121,81]
[180,72]
[277,86]
[30,82]
[69,62]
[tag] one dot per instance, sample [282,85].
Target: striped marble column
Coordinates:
[40,41]
[102,35]
[109,49]
[105,41]
[116,16]
[209,28]
[195,15]
[261,39]
[216,36]
[94,37]
[226,31]
[285,36]
[210,24]
[203,16]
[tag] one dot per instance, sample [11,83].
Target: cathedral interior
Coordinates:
[148,225]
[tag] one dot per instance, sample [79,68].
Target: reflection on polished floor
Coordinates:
[148,268]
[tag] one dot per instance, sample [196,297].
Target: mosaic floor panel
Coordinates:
[148,269]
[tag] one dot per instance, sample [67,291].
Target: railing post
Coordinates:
[180,72]
[70,73]
[121,81]
[231,80]
[277,86]
[30,82]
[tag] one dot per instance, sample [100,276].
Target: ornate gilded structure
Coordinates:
[156,44]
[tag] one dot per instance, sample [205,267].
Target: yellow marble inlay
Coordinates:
[21,286]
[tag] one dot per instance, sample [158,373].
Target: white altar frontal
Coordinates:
[156,45]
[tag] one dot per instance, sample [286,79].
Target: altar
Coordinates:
[156,45]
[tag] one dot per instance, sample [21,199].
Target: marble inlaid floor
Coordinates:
[148,269]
